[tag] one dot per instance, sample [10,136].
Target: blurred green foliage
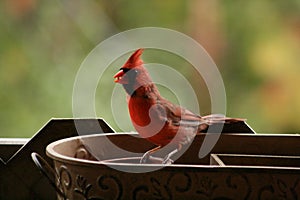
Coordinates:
[255,44]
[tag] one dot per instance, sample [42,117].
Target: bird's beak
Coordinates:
[118,76]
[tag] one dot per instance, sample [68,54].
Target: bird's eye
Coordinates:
[125,69]
[132,71]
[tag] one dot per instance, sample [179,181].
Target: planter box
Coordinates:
[221,175]
[189,177]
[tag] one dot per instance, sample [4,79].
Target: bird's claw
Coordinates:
[168,161]
[145,158]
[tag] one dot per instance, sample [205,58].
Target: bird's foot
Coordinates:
[145,158]
[167,161]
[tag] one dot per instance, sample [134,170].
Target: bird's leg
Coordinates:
[167,158]
[146,155]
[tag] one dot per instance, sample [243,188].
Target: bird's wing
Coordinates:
[183,117]
[180,116]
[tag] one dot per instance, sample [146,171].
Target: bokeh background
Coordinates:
[255,44]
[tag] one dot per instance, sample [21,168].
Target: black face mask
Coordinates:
[131,75]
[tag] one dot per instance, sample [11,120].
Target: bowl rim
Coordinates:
[57,157]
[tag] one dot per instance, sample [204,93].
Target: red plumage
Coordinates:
[155,118]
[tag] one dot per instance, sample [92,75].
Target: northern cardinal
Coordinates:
[155,118]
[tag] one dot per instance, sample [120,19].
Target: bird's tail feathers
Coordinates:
[219,118]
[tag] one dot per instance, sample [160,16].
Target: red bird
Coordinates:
[155,118]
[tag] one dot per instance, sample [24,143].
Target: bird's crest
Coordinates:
[134,60]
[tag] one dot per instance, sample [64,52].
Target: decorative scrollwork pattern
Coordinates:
[65,177]
[177,184]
